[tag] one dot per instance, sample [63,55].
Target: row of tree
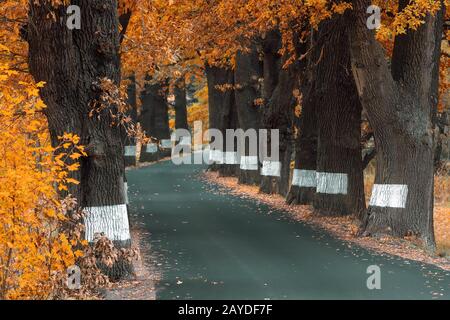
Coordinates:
[339,70]
[307,68]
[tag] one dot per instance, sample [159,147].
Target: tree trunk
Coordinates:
[222,116]
[230,167]
[248,73]
[400,107]
[303,186]
[340,181]
[181,120]
[278,115]
[154,121]
[303,183]
[72,63]
[279,84]
[130,142]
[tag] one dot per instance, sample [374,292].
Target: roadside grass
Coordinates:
[441,206]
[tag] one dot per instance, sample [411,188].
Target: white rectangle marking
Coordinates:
[389,195]
[304,178]
[216,156]
[332,183]
[130,151]
[151,148]
[271,168]
[110,220]
[166,144]
[230,157]
[249,163]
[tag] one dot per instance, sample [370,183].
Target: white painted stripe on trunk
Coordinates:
[332,183]
[130,151]
[271,168]
[216,156]
[166,144]
[249,163]
[125,190]
[230,157]
[110,220]
[151,148]
[304,178]
[389,195]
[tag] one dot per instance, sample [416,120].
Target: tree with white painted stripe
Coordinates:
[401,97]
[222,116]
[280,80]
[304,176]
[131,113]
[340,181]
[247,75]
[81,69]
[154,119]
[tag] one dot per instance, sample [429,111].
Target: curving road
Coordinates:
[214,246]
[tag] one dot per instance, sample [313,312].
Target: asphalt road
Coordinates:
[210,245]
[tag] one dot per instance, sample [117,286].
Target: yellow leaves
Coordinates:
[51,213]
[72,181]
[73,167]
[340,8]
[172,124]
[75,156]
[396,22]
[78,253]
[81,151]
[62,187]
[31,173]
[69,138]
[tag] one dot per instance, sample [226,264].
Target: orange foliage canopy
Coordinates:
[177,37]
[33,253]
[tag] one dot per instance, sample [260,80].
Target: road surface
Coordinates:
[210,245]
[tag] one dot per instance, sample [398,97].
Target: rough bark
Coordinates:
[340,183]
[72,64]
[222,111]
[279,115]
[154,118]
[303,182]
[302,189]
[132,113]
[400,106]
[181,120]
[279,84]
[248,72]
